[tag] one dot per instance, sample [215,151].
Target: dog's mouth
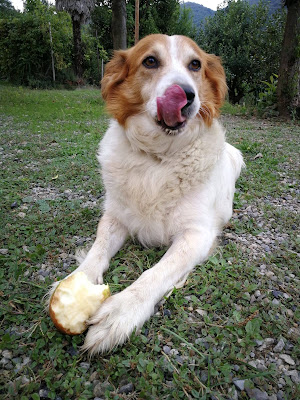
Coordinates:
[171,110]
[172,130]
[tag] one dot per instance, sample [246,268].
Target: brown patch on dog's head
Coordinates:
[127,84]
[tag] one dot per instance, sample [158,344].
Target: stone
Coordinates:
[14,205]
[21,215]
[94,376]
[126,389]
[7,354]
[239,384]
[267,343]
[85,365]
[279,346]
[99,390]
[201,312]
[203,376]
[257,394]
[288,359]
[281,395]
[166,349]
[43,393]
[294,375]
[3,252]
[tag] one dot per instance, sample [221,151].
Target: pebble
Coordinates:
[201,312]
[275,302]
[3,252]
[100,388]
[166,349]
[267,343]
[14,205]
[43,393]
[240,384]
[7,354]
[294,375]
[288,359]
[203,376]
[85,365]
[126,388]
[21,215]
[280,395]
[279,346]
[257,394]
[277,294]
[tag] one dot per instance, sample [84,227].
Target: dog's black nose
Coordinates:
[190,94]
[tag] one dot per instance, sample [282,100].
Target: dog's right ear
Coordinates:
[115,73]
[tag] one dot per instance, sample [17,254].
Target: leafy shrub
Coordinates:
[267,101]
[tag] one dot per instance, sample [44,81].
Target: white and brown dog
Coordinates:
[168,173]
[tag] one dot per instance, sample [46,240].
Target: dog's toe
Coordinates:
[114,322]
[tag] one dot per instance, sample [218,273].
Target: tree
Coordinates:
[7,9]
[25,50]
[80,11]
[248,39]
[288,89]
[119,30]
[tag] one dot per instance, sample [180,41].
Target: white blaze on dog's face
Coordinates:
[167,79]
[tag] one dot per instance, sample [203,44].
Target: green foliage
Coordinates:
[268,97]
[7,10]
[93,54]
[158,17]
[25,49]
[249,41]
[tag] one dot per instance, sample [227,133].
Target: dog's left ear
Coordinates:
[215,75]
[115,73]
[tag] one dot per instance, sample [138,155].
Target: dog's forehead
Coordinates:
[175,47]
[183,48]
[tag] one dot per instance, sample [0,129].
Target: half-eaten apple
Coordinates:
[74,301]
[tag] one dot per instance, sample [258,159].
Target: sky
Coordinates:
[18,4]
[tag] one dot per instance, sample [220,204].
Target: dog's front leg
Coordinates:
[120,314]
[111,235]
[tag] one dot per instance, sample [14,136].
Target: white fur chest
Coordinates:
[143,191]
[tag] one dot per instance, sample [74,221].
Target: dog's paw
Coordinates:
[115,320]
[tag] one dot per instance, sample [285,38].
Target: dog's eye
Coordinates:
[195,65]
[150,62]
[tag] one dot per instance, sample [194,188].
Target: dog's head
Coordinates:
[168,79]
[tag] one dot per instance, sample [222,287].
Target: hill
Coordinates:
[274,4]
[199,12]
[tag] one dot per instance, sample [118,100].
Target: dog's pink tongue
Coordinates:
[170,104]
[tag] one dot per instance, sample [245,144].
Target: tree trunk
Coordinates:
[119,32]
[78,58]
[288,89]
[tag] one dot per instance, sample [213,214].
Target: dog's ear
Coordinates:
[216,78]
[115,73]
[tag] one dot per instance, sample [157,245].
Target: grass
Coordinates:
[51,202]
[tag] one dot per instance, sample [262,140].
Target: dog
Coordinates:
[168,173]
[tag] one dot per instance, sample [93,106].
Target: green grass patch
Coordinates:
[204,335]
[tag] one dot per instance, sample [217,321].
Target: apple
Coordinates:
[74,301]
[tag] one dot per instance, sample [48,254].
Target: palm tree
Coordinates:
[80,11]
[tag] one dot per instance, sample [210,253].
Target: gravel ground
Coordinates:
[261,243]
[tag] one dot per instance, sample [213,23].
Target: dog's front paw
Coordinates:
[115,320]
